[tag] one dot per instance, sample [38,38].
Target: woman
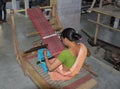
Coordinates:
[67,57]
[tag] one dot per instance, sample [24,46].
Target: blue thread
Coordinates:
[41,57]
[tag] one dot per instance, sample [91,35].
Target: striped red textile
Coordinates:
[40,22]
[45,29]
[78,82]
[54,45]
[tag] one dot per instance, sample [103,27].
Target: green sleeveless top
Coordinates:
[66,58]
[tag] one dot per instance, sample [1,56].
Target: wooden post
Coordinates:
[53,2]
[32,34]
[54,15]
[98,21]
[93,3]
[58,20]
[55,19]
[12,28]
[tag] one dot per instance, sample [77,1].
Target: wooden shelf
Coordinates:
[107,10]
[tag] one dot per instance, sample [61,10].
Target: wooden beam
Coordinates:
[45,7]
[93,3]
[104,25]
[110,11]
[32,34]
[22,10]
[36,48]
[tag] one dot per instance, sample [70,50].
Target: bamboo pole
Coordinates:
[93,3]
[106,11]
[14,34]
[97,27]
[45,7]
[54,16]
[32,34]
[98,21]
[104,25]
[53,2]
[22,10]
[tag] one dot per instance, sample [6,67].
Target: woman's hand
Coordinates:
[45,52]
[51,66]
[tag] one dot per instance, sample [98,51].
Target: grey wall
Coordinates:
[107,35]
[110,36]
[69,13]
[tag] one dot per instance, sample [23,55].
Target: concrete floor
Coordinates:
[11,75]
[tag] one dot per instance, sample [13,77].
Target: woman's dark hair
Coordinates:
[70,34]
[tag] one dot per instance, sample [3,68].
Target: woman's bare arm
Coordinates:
[51,66]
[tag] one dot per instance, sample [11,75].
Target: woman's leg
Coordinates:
[0,12]
[4,11]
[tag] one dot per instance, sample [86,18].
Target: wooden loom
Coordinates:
[28,61]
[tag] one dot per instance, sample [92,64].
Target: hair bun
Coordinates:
[71,34]
[76,36]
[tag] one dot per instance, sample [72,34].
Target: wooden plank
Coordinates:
[32,34]
[104,25]
[22,10]
[36,48]
[45,7]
